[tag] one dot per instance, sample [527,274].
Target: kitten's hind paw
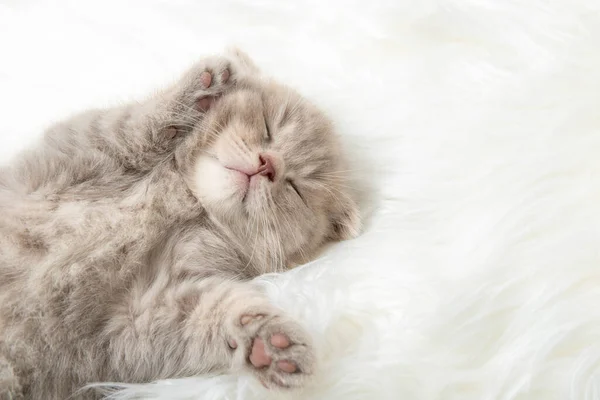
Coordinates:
[278,351]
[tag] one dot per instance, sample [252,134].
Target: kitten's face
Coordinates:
[272,172]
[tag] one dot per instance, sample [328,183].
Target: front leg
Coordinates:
[179,108]
[135,136]
[139,135]
[214,325]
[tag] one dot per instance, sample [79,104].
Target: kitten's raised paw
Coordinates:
[279,351]
[205,82]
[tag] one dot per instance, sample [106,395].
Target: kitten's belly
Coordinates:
[81,228]
[65,264]
[60,243]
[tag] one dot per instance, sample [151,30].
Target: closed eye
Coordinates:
[295,188]
[267,131]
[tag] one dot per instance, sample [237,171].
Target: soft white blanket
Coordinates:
[473,124]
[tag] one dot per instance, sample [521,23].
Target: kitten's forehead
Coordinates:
[306,135]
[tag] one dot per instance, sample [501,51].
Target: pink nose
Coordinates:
[267,167]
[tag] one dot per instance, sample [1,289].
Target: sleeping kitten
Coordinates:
[129,236]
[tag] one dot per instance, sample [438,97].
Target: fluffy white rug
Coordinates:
[476,125]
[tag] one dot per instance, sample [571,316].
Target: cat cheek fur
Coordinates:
[216,187]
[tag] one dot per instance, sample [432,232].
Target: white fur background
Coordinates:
[476,125]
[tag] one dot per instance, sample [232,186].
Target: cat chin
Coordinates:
[216,186]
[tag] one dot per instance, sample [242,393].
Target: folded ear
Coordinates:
[243,62]
[345,219]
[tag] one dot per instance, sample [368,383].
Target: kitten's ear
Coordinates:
[345,219]
[243,61]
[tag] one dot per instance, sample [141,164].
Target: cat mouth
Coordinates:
[246,178]
[241,181]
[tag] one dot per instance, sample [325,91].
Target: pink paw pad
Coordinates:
[260,359]
[225,76]
[246,318]
[204,103]
[258,356]
[280,341]
[170,132]
[206,79]
[287,366]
